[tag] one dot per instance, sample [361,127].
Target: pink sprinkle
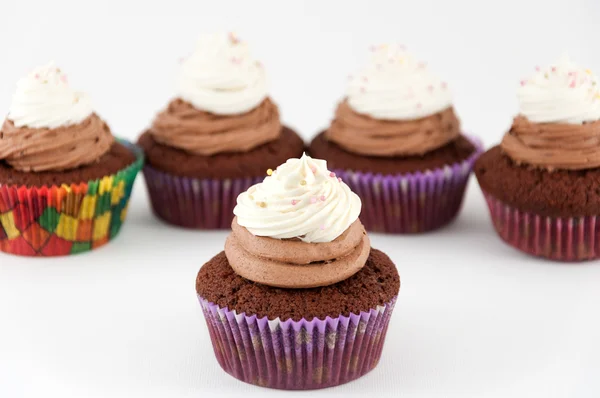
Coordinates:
[444,85]
[419,105]
[37,76]
[430,88]
[322,198]
[553,69]
[523,82]
[322,227]
[572,85]
[313,200]
[571,73]
[332,174]
[365,79]
[362,89]
[537,68]
[181,59]
[63,79]
[294,202]
[422,65]
[236,60]
[340,179]
[373,48]
[313,169]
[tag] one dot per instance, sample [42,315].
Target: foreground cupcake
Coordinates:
[65,181]
[542,183]
[298,299]
[397,141]
[216,138]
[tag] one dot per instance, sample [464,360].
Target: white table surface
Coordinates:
[474,319]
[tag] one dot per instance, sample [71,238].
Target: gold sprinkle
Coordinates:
[546,75]
[262,204]
[588,71]
[303,182]
[251,197]
[270,172]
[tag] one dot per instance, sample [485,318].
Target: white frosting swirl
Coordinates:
[561,93]
[395,86]
[220,76]
[44,100]
[301,199]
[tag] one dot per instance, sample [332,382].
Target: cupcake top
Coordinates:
[394,107]
[558,124]
[222,102]
[50,126]
[299,228]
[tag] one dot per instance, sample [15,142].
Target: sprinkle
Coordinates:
[444,85]
[303,182]
[322,227]
[553,69]
[419,105]
[332,174]
[63,79]
[270,172]
[233,38]
[294,202]
[340,179]
[313,200]
[546,75]
[251,197]
[523,82]
[37,76]
[75,100]
[572,85]
[430,88]
[537,68]
[365,79]
[373,48]
[588,71]
[262,204]
[571,74]
[323,198]
[362,89]
[422,65]
[236,60]
[313,169]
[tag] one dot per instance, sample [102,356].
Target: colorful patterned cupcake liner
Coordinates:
[297,355]
[194,202]
[70,219]
[411,203]
[555,238]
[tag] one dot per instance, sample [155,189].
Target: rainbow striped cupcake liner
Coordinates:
[414,202]
[194,202]
[66,219]
[297,355]
[565,239]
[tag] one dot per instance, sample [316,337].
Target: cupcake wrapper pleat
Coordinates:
[297,355]
[555,238]
[193,202]
[411,203]
[70,219]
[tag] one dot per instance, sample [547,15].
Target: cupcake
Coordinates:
[65,181]
[298,299]
[216,138]
[397,141]
[542,183]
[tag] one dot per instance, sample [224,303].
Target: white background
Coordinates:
[474,319]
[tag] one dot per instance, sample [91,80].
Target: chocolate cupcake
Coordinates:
[397,142]
[65,181]
[215,139]
[298,299]
[542,183]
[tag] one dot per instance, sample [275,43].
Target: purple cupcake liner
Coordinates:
[193,202]
[555,238]
[414,202]
[297,355]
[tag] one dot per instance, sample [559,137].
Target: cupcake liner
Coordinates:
[414,202]
[555,238]
[194,202]
[66,219]
[297,355]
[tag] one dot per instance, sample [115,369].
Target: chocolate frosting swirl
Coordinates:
[553,145]
[294,264]
[58,149]
[183,126]
[364,135]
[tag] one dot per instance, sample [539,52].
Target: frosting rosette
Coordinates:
[50,126]
[221,77]
[394,107]
[299,228]
[558,126]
